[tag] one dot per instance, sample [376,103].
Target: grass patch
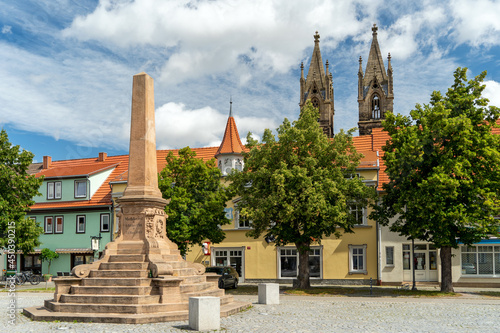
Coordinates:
[490,293]
[346,291]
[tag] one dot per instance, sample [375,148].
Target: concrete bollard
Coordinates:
[204,313]
[269,293]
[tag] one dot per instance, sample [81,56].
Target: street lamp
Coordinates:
[94,243]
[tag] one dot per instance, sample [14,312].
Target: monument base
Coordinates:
[121,290]
[141,277]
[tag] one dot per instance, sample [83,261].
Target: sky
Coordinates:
[66,66]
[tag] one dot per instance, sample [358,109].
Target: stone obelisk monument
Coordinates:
[141,276]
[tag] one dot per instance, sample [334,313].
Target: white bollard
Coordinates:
[269,293]
[204,313]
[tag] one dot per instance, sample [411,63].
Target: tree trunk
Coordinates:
[446,278]
[303,278]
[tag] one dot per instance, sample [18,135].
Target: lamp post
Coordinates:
[94,243]
[414,287]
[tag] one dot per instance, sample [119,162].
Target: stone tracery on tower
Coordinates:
[318,87]
[375,88]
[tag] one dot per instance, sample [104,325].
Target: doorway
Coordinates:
[424,260]
[230,257]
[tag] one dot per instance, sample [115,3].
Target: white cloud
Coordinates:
[6,29]
[477,22]
[205,38]
[178,126]
[492,92]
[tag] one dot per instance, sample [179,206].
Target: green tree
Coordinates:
[17,189]
[48,255]
[197,199]
[299,188]
[443,163]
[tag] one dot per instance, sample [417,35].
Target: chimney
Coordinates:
[47,161]
[102,157]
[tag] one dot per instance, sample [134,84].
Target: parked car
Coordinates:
[468,268]
[228,276]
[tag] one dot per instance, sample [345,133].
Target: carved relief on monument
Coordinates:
[155,223]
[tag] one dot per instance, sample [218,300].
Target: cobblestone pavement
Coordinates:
[305,314]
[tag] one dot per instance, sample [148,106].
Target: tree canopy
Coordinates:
[299,187]
[443,163]
[197,199]
[17,189]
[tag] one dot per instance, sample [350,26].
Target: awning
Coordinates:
[74,251]
[489,241]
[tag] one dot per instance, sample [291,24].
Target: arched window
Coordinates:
[375,107]
[315,102]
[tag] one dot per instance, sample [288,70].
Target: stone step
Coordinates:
[127,258]
[44,314]
[213,292]
[123,266]
[110,290]
[118,274]
[110,299]
[116,308]
[193,279]
[181,272]
[95,282]
[190,288]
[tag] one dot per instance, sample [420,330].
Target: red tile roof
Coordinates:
[231,142]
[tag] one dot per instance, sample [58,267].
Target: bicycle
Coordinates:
[32,278]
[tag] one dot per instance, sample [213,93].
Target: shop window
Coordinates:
[80,259]
[289,262]
[31,262]
[480,260]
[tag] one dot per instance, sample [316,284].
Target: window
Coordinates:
[357,259]
[376,107]
[389,255]
[481,260]
[357,213]
[80,259]
[104,222]
[240,221]
[315,102]
[54,190]
[406,256]
[31,262]
[80,224]
[59,224]
[80,188]
[49,225]
[289,262]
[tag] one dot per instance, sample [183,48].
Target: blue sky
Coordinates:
[67,65]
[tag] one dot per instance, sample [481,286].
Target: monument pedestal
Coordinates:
[141,277]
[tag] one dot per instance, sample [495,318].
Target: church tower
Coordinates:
[229,155]
[375,93]
[318,88]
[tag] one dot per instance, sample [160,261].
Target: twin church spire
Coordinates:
[375,89]
[318,87]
